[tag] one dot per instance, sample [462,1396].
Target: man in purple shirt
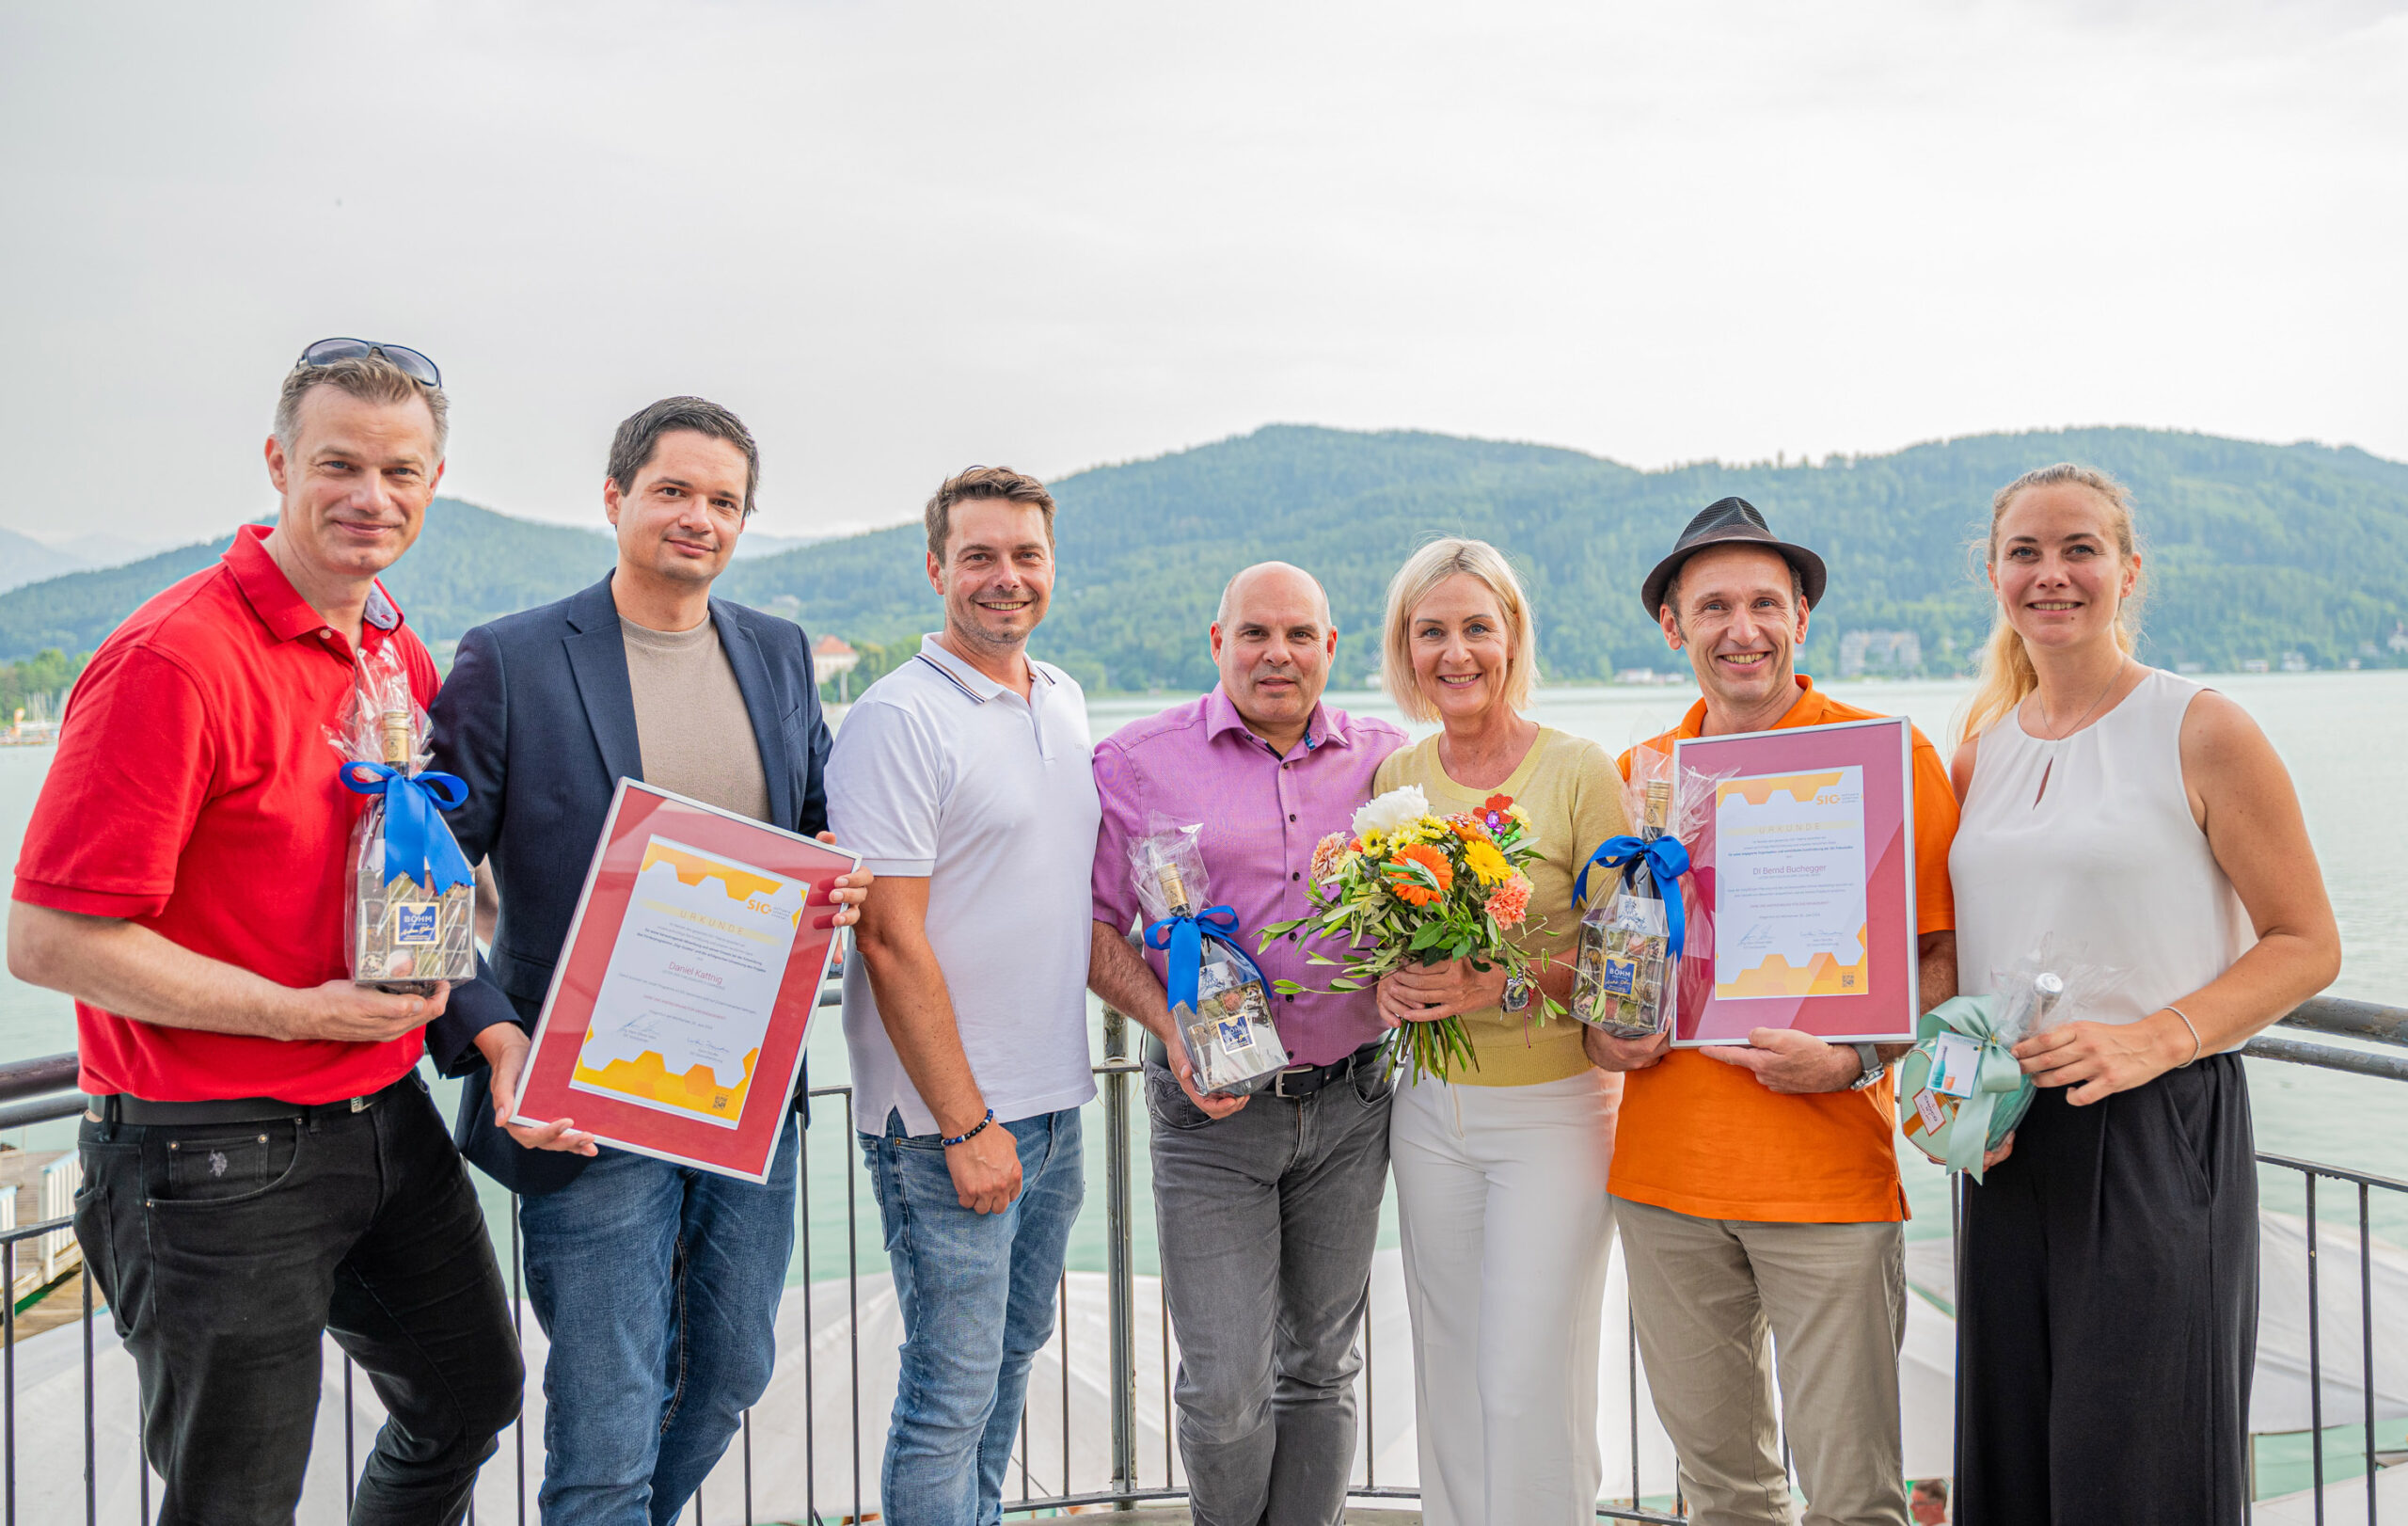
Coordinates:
[1266,1206]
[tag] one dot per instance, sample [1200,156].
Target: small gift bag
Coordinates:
[1219,1001]
[1626,974]
[1961,1090]
[411,897]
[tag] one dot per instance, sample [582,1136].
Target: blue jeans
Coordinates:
[976,1292]
[657,1285]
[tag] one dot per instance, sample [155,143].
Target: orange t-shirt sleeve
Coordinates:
[1935,832]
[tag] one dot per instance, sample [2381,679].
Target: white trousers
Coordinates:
[1506,1227]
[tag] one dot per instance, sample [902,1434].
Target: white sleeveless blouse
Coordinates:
[2107,864]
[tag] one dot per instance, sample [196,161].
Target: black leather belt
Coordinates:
[123,1107]
[1297,1082]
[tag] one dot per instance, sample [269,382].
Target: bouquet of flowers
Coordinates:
[1412,887]
[412,902]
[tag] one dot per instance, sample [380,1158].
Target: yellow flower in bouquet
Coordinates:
[1486,861]
[1413,888]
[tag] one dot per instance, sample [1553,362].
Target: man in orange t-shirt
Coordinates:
[1756,1186]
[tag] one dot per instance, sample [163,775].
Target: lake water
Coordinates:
[2341,733]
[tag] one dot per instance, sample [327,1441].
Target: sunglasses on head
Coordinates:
[417,366]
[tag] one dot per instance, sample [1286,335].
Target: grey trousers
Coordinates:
[1267,1219]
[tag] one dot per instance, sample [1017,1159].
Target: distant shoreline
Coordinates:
[1684,682]
[836,712]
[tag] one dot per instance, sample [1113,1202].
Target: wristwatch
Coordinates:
[1870,1058]
[1517,994]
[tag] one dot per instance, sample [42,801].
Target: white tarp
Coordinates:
[2345,1499]
[795,1467]
[2280,1394]
[2279,1398]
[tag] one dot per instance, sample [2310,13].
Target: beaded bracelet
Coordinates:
[965,1139]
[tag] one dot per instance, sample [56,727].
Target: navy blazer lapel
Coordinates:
[597,653]
[761,703]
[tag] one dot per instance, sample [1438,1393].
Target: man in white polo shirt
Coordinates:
[964,778]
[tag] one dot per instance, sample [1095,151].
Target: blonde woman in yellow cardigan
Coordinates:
[1500,1170]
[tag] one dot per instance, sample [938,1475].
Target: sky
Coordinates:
[902,238]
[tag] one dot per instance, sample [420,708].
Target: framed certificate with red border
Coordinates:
[1805,884]
[678,1012]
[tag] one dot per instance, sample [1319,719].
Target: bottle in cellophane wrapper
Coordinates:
[1626,974]
[1220,1004]
[1962,1091]
[411,907]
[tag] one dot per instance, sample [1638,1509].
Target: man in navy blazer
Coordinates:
[668,1275]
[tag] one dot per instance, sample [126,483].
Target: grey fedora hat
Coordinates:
[1724,523]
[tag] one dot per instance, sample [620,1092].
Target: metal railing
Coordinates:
[39,1090]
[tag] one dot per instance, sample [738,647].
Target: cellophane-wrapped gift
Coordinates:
[1962,1091]
[1220,1004]
[410,896]
[1632,934]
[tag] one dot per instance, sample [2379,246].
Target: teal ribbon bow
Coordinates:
[2002,1093]
[1181,939]
[417,843]
[1667,860]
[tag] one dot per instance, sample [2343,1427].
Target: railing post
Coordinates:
[1123,1268]
[1956,1334]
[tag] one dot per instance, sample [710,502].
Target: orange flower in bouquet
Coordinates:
[1420,889]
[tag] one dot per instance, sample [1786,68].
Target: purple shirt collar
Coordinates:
[1221,717]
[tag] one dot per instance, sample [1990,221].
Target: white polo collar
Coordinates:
[969,679]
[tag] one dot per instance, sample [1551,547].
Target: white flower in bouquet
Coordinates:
[1391,811]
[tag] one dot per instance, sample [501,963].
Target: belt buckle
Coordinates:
[361,1104]
[1279,1083]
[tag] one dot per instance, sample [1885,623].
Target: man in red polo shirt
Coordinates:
[260,1162]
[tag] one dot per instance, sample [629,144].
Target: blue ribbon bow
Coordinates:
[1182,939]
[417,843]
[1667,860]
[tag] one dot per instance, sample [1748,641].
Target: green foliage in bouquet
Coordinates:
[1411,887]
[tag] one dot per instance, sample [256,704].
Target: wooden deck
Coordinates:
[61,1305]
[22,1180]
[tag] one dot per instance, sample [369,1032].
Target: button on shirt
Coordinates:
[942,773]
[194,794]
[1262,812]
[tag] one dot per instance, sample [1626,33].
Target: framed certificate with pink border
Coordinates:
[1803,885]
[680,1010]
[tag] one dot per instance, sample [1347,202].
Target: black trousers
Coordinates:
[2108,1310]
[226,1250]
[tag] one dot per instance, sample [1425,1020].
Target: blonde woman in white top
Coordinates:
[2123,817]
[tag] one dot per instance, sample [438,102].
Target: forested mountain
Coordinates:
[25,560]
[2252,550]
[72,612]
[468,565]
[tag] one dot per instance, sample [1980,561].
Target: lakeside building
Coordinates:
[1894,654]
[832,656]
